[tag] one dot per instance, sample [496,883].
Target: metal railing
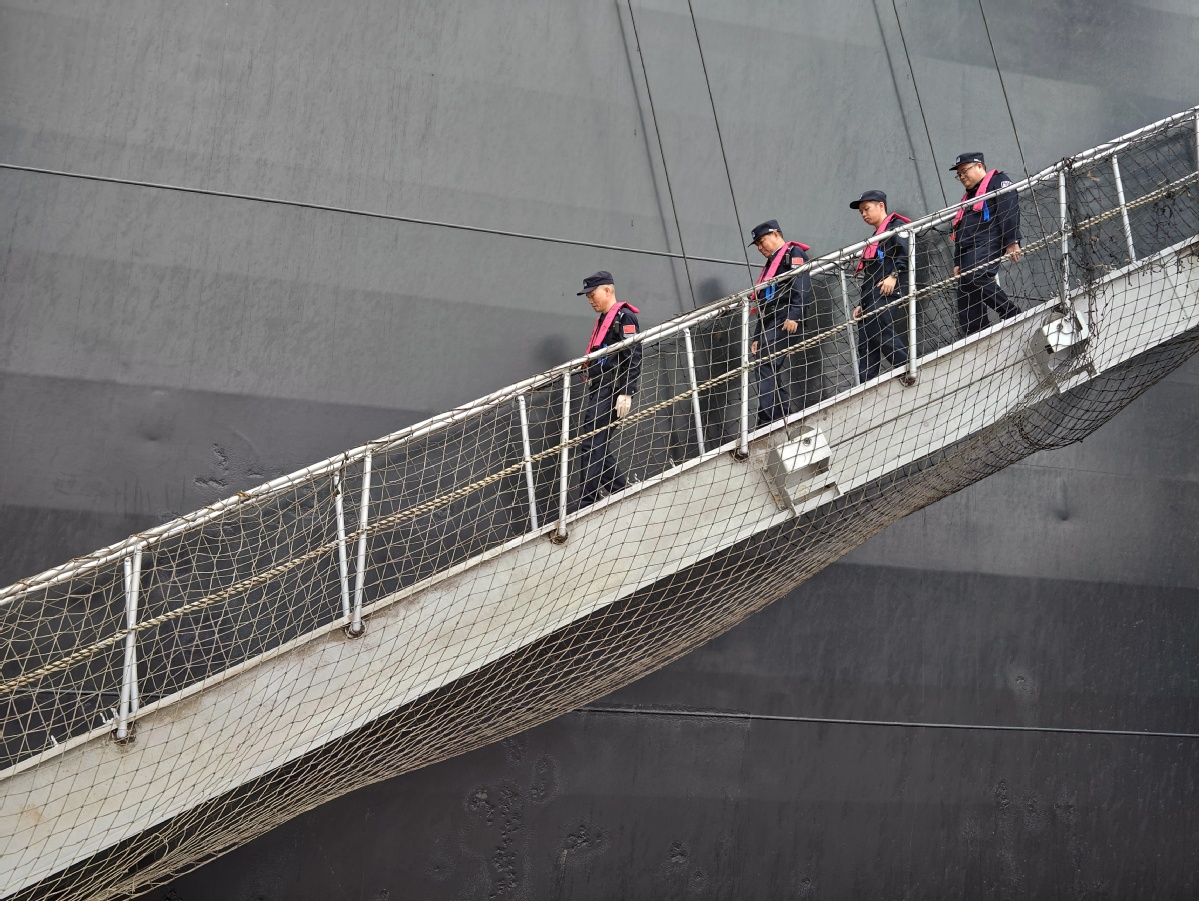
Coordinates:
[498,470]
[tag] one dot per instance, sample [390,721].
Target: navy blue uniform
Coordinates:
[981,238]
[607,378]
[878,336]
[776,304]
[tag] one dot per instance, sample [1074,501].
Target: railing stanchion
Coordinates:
[356,626]
[1061,197]
[695,410]
[743,447]
[850,331]
[339,482]
[564,473]
[130,699]
[524,438]
[912,345]
[1132,254]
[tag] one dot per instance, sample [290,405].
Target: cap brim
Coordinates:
[589,290]
[854,204]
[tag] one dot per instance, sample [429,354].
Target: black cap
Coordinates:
[770,225]
[972,156]
[591,282]
[878,196]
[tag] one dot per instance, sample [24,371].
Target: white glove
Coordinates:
[624,403]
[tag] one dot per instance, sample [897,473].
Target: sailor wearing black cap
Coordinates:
[612,381]
[780,309]
[983,233]
[883,269]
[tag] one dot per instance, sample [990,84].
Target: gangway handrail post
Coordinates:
[564,472]
[356,627]
[695,410]
[911,235]
[528,456]
[339,481]
[850,331]
[1061,196]
[743,447]
[130,700]
[1132,254]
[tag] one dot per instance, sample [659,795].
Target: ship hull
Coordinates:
[160,350]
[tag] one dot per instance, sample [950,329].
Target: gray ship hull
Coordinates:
[161,348]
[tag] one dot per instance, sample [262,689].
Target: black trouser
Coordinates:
[878,337]
[976,292]
[600,470]
[773,396]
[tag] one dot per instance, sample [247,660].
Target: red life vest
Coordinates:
[604,323]
[983,187]
[872,247]
[772,265]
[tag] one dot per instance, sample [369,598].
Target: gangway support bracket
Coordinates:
[1053,346]
[797,471]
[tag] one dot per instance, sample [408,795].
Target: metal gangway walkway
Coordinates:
[173,695]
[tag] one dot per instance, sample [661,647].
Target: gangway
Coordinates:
[174,695]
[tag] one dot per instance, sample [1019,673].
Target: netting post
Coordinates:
[849,329]
[1132,254]
[699,421]
[130,700]
[342,563]
[743,447]
[559,535]
[524,438]
[356,628]
[1061,196]
[911,377]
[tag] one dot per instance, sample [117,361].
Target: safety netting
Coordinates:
[174,695]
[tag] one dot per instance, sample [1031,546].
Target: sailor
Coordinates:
[883,269]
[611,383]
[779,311]
[983,233]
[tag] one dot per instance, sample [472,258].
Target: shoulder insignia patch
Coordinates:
[630,329]
[1006,184]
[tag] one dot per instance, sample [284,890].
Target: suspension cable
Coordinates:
[1011,118]
[720,139]
[662,153]
[350,211]
[920,104]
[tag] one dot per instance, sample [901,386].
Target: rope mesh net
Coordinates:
[175,695]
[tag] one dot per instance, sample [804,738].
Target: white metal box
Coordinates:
[798,470]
